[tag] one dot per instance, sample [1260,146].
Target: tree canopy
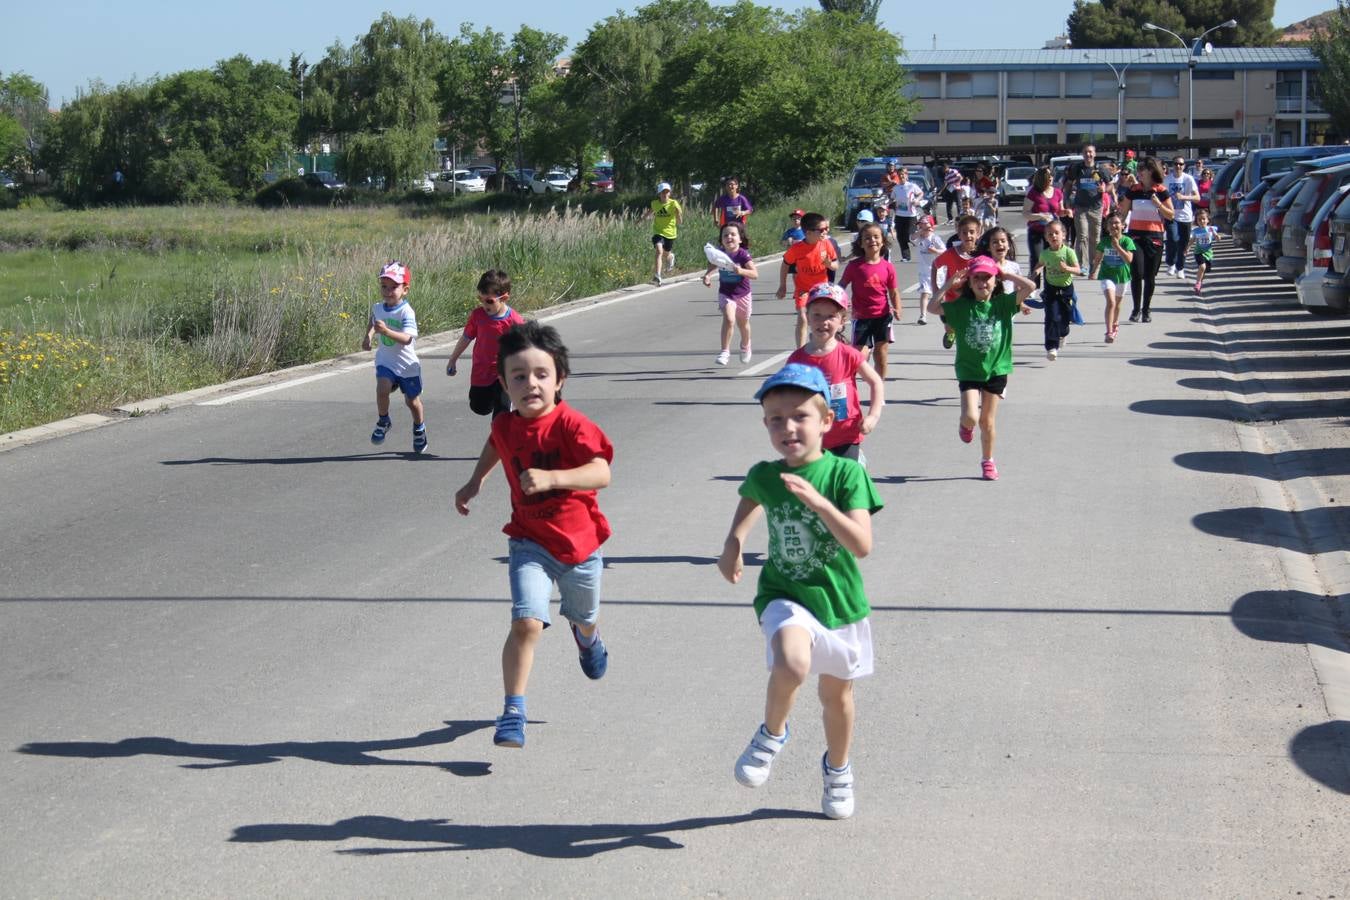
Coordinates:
[24,117]
[1120,23]
[863,10]
[1331,45]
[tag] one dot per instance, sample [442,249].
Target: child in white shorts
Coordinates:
[929,246]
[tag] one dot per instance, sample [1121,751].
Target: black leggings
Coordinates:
[1144,267]
[903,224]
[1035,244]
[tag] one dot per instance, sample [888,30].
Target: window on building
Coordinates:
[1033,84]
[1033,132]
[925,86]
[963,85]
[1090,83]
[1152,84]
[1202,73]
[922,126]
[1223,124]
[1152,129]
[1289,92]
[972,126]
[1086,131]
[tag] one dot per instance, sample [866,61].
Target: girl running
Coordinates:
[929,246]
[997,244]
[733,289]
[1111,263]
[876,295]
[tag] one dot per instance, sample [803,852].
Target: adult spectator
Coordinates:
[731,205]
[1083,186]
[1041,206]
[890,178]
[1184,191]
[951,184]
[907,204]
[1149,209]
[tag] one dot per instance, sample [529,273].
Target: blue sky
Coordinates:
[67,46]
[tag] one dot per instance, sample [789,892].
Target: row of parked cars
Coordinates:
[1291,207]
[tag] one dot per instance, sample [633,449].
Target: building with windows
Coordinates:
[1264,96]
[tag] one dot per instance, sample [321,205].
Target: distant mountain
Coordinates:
[1301,32]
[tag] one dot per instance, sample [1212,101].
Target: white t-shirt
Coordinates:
[1013,267]
[906,198]
[1181,184]
[401,359]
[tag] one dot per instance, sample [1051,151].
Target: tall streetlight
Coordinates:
[1120,86]
[1198,49]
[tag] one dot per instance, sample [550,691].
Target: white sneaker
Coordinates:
[837,799]
[745,354]
[1052,355]
[752,768]
[724,357]
[656,280]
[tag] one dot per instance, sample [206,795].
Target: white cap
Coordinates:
[663,186]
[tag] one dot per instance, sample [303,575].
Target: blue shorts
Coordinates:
[410,386]
[534,571]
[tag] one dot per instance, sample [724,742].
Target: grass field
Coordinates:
[102,307]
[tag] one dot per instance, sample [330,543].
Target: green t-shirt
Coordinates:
[984,335]
[664,217]
[805,562]
[1114,267]
[1051,260]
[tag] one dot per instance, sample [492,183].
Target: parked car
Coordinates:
[460,181]
[1267,248]
[484,172]
[1220,189]
[863,187]
[1244,227]
[554,181]
[1015,184]
[1282,185]
[1261,163]
[509,182]
[1317,187]
[426,182]
[601,182]
[1317,251]
[324,181]
[1336,280]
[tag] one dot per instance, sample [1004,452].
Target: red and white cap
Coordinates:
[827,291]
[396,271]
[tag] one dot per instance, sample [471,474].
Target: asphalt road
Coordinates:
[243,653]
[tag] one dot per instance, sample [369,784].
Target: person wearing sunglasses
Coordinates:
[1184,191]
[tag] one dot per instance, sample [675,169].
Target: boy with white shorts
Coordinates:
[810,600]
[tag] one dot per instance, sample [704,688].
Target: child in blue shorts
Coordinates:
[396,365]
[554,459]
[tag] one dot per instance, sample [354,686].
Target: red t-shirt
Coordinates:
[872,284]
[568,524]
[955,262]
[486,333]
[840,366]
[812,262]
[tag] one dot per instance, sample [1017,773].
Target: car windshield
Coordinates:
[1021,172]
[866,177]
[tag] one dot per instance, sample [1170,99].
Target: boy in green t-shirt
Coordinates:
[810,600]
[1111,262]
[666,215]
[1060,264]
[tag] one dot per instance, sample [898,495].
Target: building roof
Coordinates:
[1163,58]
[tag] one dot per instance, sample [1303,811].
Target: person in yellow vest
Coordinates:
[666,216]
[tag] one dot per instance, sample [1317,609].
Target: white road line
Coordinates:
[770,363]
[281,385]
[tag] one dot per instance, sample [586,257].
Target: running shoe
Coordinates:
[948,340]
[510,729]
[752,768]
[1134,316]
[988,470]
[966,434]
[1146,318]
[724,357]
[594,659]
[1198,290]
[837,800]
[420,440]
[656,280]
[1110,337]
[745,354]
[923,320]
[381,429]
[1052,354]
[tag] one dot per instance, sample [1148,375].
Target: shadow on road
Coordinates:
[381,456]
[340,753]
[1324,461]
[1234,411]
[1313,384]
[1321,530]
[1323,753]
[1305,362]
[1292,617]
[564,841]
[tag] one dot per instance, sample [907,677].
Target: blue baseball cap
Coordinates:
[798,375]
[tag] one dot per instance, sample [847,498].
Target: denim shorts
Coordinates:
[534,571]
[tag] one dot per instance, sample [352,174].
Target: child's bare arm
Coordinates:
[853,529]
[487,460]
[878,397]
[398,337]
[782,281]
[1097,258]
[748,270]
[369,336]
[591,476]
[455,354]
[730,563]
[895,302]
[707,275]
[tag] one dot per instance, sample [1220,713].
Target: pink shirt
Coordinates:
[841,367]
[1043,203]
[872,284]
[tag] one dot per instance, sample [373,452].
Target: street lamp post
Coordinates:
[1198,49]
[1120,86]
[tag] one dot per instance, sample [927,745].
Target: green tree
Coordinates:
[863,10]
[379,98]
[24,117]
[101,132]
[1120,23]
[1331,46]
[781,100]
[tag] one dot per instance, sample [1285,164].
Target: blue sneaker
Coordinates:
[381,429]
[419,440]
[510,729]
[594,659]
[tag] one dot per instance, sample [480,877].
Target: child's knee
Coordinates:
[526,628]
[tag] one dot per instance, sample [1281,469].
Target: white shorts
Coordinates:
[844,652]
[1114,288]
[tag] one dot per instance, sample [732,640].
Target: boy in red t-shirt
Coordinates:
[955,260]
[487,323]
[555,459]
[814,259]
